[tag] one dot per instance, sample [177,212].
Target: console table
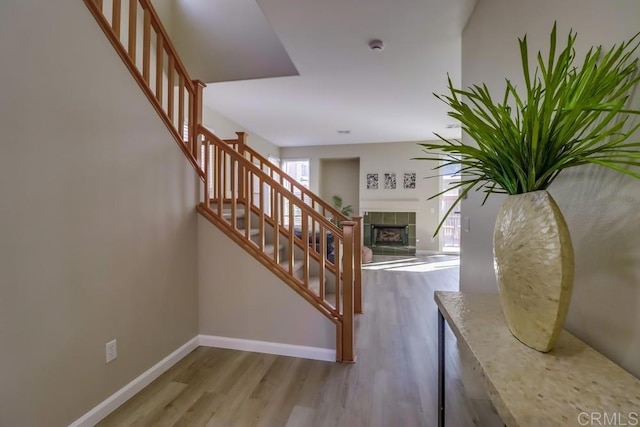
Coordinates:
[571,385]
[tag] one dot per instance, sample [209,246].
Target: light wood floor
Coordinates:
[393,383]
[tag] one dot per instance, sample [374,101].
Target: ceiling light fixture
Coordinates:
[344,132]
[376,45]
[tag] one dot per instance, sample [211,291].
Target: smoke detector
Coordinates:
[376,45]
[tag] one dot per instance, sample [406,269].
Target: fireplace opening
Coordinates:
[389,235]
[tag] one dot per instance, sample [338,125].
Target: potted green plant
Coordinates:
[568,114]
[338,204]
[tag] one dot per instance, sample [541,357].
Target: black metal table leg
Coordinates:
[440,369]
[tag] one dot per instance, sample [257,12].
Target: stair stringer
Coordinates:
[268,262]
[249,303]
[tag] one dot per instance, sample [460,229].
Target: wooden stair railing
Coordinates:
[287,181]
[308,197]
[235,187]
[238,176]
[136,33]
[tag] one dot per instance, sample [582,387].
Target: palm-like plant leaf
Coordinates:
[569,115]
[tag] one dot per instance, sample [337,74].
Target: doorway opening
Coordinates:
[450,231]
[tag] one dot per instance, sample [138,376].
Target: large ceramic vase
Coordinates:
[533,258]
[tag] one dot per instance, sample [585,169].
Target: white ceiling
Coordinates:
[342,84]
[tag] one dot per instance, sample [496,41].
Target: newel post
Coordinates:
[196,119]
[357,265]
[348,347]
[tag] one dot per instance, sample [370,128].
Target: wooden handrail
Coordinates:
[272,182]
[299,242]
[157,25]
[154,93]
[304,192]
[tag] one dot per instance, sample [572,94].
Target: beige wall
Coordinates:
[381,158]
[341,177]
[165,11]
[602,208]
[98,228]
[252,303]
[226,128]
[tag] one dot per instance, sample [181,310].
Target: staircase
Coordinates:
[304,241]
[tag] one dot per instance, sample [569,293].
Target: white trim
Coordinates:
[110,404]
[388,205]
[304,352]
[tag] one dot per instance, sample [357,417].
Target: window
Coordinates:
[266,188]
[274,160]
[299,170]
[451,171]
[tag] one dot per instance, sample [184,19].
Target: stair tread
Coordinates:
[252,231]
[297,265]
[269,248]
[314,286]
[226,213]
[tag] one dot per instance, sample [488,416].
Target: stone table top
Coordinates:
[568,386]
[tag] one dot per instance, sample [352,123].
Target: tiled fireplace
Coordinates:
[390,233]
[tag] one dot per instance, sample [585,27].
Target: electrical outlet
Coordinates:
[111,350]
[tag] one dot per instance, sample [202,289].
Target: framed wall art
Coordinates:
[409,180]
[372,181]
[390,181]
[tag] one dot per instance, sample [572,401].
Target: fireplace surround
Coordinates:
[392,222]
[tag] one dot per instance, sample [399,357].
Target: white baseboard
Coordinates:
[304,352]
[109,405]
[426,252]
